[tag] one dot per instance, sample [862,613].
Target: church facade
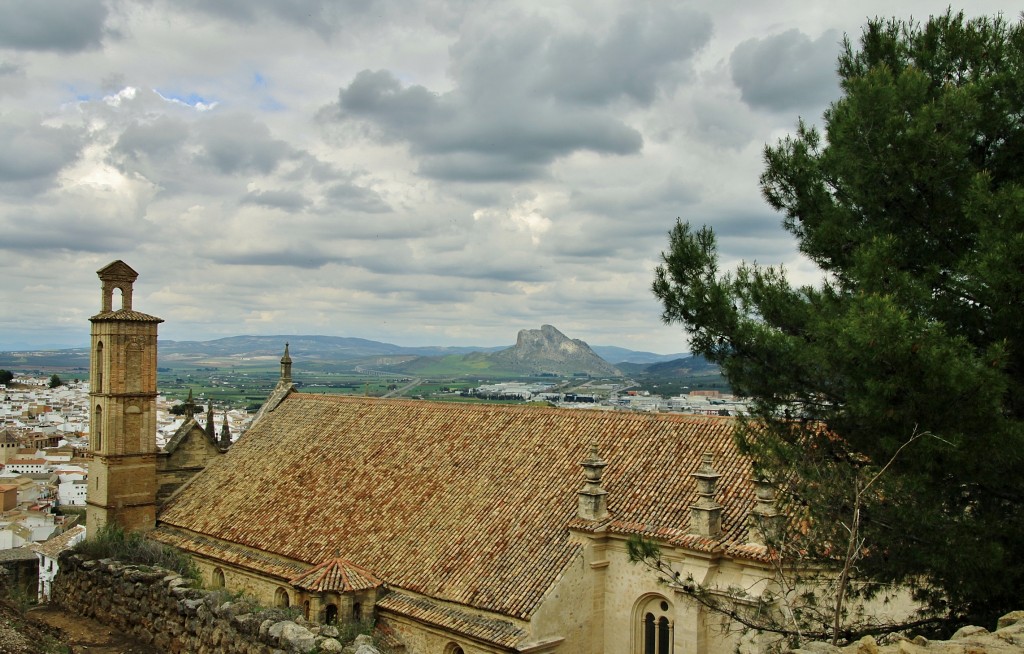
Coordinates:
[463,528]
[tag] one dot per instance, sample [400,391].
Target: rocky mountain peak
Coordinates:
[549,350]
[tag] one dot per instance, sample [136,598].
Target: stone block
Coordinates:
[329,645]
[296,638]
[968,631]
[867,645]
[1009,619]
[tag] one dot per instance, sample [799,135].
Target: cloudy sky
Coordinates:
[422,172]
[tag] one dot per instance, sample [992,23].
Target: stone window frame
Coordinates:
[281,598]
[654,625]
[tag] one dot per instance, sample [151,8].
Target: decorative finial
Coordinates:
[592,502]
[706,513]
[286,365]
[211,429]
[764,521]
[225,432]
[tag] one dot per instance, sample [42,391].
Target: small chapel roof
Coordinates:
[337,575]
[124,315]
[470,504]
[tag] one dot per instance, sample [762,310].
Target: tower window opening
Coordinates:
[99,367]
[98,430]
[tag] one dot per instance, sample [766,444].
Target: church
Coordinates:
[455,528]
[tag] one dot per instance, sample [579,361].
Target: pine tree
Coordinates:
[911,202]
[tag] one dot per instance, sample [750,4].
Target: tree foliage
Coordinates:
[911,202]
[6,376]
[182,408]
[55,381]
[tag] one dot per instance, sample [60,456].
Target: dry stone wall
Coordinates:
[1008,638]
[159,608]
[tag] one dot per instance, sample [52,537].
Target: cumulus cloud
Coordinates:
[13,80]
[647,49]
[527,94]
[786,71]
[238,143]
[345,195]
[57,25]
[324,17]
[290,201]
[35,153]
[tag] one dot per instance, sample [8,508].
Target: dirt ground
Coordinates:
[81,635]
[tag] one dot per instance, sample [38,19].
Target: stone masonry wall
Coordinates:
[159,608]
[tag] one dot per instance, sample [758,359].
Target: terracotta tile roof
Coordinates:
[465,503]
[452,619]
[18,554]
[244,557]
[124,314]
[54,546]
[339,575]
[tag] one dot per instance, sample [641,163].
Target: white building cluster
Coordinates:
[44,454]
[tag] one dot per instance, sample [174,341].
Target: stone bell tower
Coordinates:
[122,394]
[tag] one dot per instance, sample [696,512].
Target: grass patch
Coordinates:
[113,542]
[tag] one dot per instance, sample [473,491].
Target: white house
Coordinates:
[48,554]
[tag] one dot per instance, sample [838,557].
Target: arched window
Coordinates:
[654,629]
[281,598]
[99,367]
[331,614]
[97,430]
[305,609]
[357,611]
[217,578]
[453,648]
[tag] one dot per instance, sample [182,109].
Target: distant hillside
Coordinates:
[691,365]
[617,355]
[544,350]
[328,348]
[549,350]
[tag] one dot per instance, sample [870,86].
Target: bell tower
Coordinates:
[122,394]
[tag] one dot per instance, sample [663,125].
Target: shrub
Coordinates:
[113,542]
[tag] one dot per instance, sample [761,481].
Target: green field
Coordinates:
[238,382]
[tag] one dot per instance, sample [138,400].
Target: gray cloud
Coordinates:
[159,138]
[458,140]
[635,59]
[237,143]
[323,17]
[58,25]
[527,94]
[72,228]
[307,258]
[13,80]
[290,201]
[355,198]
[786,71]
[36,153]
